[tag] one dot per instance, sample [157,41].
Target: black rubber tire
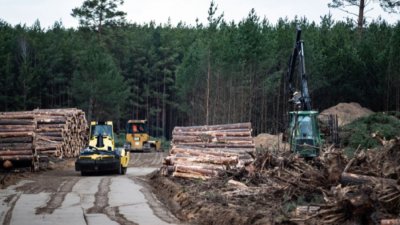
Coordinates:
[84,173]
[123,170]
[119,170]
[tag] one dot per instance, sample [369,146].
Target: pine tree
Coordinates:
[97,85]
[95,14]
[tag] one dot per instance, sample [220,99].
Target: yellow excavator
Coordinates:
[138,138]
[101,153]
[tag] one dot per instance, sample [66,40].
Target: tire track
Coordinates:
[101,196]
[101,204]
[57,198]
[8,216]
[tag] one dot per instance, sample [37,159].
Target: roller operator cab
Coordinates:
[101,153]
[138,138]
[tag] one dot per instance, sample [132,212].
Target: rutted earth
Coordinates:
[62,196]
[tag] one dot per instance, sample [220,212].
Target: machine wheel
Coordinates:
[84,173]
[119,170]
[123,170]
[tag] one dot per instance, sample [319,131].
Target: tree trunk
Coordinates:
[360,21]
[350,178]
[208,86]
[164,115]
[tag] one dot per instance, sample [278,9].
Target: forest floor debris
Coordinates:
[280,188]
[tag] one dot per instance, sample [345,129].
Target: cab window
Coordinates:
[104,130]
[134,128]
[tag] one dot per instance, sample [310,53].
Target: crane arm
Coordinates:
[298,53]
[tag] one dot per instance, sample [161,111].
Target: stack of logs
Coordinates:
[60,132]
[52,132]
[202,151]
[17,135]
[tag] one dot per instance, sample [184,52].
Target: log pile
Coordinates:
[60,132]
[202,151]
[17,136]
[52,132]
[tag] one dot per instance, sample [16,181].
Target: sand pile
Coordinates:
[347,112]
[269,141]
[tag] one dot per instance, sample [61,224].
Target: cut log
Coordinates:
[201,152]
[219,133]
[390,222]
[237,184]
[214,127]
[27,139]
[189,175]
[51,120]
[15,134]
[50,134]
[206,159]
[15,145]
[16,152]
[16,121]
[9,128]
[17,157]
[219,145]
[350,178]
[220,150]
[195,170]
[17,116]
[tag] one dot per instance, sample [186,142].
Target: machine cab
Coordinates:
[136,127]
[304,136]
[102,135]
[137,136]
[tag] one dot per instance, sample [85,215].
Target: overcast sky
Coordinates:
[143,11]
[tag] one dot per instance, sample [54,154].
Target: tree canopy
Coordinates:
[391,6]
[95,14]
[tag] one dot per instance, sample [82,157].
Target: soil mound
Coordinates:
[269,141]
[347,112]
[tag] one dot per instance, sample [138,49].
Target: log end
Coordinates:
[7,164]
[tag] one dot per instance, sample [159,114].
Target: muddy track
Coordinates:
[87,200]
[101,204]
[12,201]
[57,198]
[101,196]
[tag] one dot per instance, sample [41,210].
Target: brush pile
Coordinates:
[327,190]
[280,188]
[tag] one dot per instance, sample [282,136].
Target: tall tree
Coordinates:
[361,5]
[213,23]
[95,14]
[98,86]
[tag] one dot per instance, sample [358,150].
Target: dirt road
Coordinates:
[62,196]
